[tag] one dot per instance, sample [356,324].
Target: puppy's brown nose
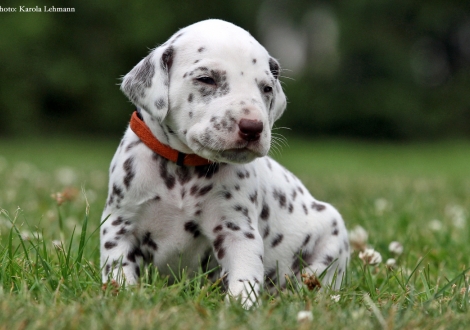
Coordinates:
[250,130]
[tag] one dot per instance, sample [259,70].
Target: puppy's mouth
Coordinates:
[240,154]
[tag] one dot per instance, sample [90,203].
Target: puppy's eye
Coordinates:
[267,89]
[206,80]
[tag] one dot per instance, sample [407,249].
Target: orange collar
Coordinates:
[146,136]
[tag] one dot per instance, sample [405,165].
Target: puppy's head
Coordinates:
[214,87]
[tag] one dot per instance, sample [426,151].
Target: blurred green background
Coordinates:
[375,69]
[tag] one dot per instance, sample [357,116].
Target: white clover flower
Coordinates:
[370,257]
[381,205]
[66,176]
[335,297]
[396,248]
[57,244]
[25,235]
[358,238]
[391,263]
[435,225]
[457,214]
[304,316]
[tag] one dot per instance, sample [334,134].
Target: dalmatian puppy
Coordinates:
[213,91]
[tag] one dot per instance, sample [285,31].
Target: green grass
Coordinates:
[416,194]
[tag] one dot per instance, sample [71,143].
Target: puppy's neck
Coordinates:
[164,133]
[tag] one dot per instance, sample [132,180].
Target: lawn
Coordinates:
[417,195]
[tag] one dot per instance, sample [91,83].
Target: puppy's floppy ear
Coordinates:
[147,84]
[279,102]
[274,67]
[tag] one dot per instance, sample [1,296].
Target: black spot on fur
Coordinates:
[277,240]
[194,189]
[335,232]
[192,227]
[167,178]
[137,270]
[167,58]
[266,232]
[160,104]
[201,49]
[221,253]
[147,240]
[132,145]
[107,269]
[204,190]
[176,38]
[285,177]
[207,171]
[217,228]
[249,235]
[219,241]
[305,209]
[254,197]
[270,277]
[227,195]
[232,226]
[117,222]
[306,240]
[190,98]
[291,208]
[301,260]
[317,206]
[328,260]
[129,170]
[122,231]
[110,245]
[242,209]
[264,212]
[183,174]
[237,187]
[136,252]
[140,78]
[294,194]
[280,197]
[254,61]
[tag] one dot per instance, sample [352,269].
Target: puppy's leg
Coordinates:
[238,248]
[331,251]
[120,255]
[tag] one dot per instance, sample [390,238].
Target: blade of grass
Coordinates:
[81,246]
